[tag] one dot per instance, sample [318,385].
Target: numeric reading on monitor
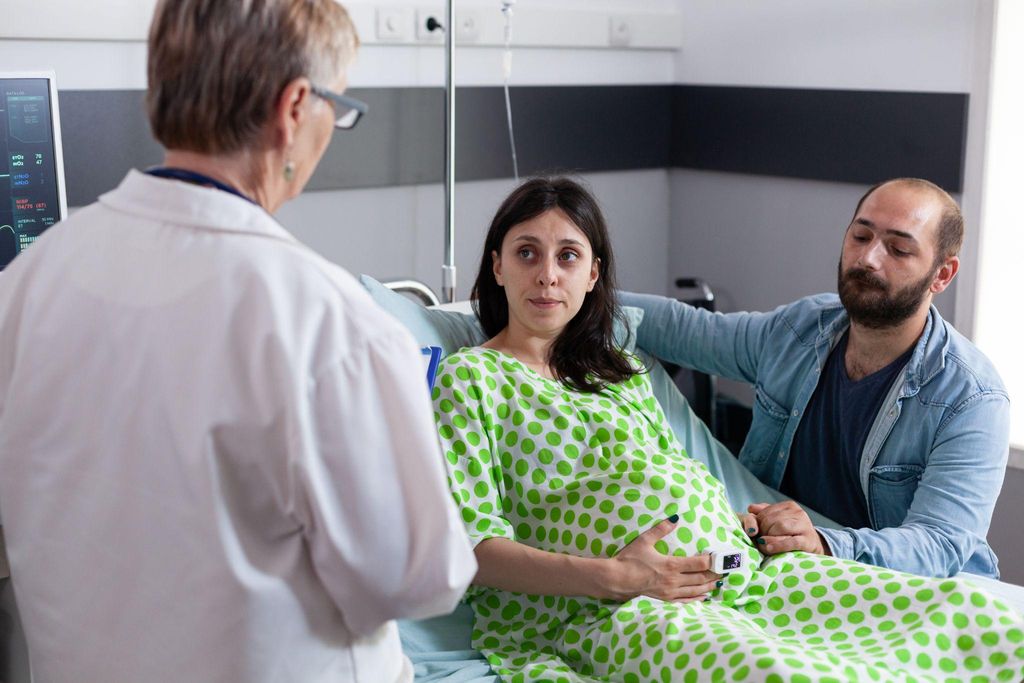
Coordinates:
[29,200]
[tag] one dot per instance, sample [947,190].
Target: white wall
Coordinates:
[394,233]
[747,236]
[352,227]
[917,45]
[912,45]
[763,241]
[998,333]
[101,44]
[410,220]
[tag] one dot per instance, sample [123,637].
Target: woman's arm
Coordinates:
[638,569]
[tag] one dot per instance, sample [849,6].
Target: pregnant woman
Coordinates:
[592,527]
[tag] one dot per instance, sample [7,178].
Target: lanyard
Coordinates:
[195,179]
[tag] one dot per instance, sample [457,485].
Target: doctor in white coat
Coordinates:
[218,459]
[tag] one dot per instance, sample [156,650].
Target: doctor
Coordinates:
[218,456]
[870,408]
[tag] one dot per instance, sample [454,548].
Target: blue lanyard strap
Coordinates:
[195,179]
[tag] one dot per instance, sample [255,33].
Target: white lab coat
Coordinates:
[217,458]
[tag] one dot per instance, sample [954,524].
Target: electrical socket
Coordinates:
[394,24]
[467,26]
[620,33]
[423,34]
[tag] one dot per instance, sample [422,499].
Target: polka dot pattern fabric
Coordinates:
[533,461]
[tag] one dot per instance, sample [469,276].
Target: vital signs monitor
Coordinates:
[32,196]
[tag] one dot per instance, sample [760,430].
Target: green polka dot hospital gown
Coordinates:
[570,472]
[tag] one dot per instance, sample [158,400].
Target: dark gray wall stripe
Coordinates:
[820,134]
[842,135]
[395,144]
[104,133]
[579,128]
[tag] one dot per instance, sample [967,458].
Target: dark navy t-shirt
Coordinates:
[823,471]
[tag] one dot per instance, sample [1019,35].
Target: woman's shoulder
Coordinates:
[477,359]
[639,381]
[468,355]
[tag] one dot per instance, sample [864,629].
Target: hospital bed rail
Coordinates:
[420,290]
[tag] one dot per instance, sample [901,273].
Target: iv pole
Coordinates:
[448,268]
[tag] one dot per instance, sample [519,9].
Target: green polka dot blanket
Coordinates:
[569,472]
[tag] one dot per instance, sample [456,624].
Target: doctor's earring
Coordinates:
[289,171]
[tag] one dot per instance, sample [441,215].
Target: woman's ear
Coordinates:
[595,273]
[291,110]
[496,267]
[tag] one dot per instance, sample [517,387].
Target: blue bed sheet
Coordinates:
[439,649]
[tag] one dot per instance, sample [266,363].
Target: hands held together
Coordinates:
[639,569]
[782,527]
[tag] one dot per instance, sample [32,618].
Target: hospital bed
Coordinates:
[439,648]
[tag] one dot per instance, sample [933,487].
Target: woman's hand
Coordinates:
[749,522]
[639,569]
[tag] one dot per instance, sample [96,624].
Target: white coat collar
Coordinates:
[180,203]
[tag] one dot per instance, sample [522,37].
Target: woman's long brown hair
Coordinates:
[584,355]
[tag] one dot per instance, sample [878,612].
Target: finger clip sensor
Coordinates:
[724,560]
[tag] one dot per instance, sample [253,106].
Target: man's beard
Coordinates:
[871,302]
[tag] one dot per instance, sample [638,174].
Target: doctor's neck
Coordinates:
[239,171]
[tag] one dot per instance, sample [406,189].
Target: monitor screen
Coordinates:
[31,164]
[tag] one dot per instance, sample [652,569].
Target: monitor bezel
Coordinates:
[58,146]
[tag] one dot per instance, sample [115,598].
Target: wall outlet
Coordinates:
[394,24]
[620,31]
[467,26]
[423,19]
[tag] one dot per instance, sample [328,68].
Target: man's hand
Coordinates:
[639,569]
[782,527]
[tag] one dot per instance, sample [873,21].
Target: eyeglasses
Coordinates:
[348,110]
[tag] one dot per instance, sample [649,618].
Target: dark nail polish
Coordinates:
[751,530]
[673,518]
[761,541]
[718,584]
[707,599]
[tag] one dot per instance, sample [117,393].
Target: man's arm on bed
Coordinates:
[952,507]
[727,345]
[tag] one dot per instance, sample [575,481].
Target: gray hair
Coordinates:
[217,67]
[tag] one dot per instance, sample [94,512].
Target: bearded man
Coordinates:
[869,407]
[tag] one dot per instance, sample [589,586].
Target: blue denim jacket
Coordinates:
[934,460]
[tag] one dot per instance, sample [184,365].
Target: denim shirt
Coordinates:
[934,460]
